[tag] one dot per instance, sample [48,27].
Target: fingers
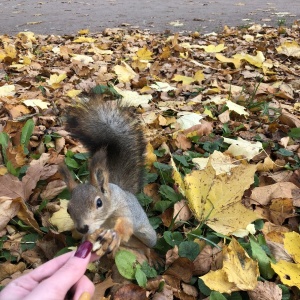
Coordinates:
[44,271]
[64,278]
[81,286]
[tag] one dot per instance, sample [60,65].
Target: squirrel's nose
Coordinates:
[83,229]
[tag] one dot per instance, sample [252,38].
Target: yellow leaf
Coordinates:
[10,51]
[240,147]
[55,80]
[144,54]
[84,31]
[199,76]
[256,61]
[292,245]
[61,219]
[213,48]
[241,110]
[83,39]
[221,163]
[185,79]
[3,170]
[235,61]
[36,102]
[289,49]
[124,73]
[141,65]
[239,271]
[73,93]
[150,156]
[7,90]
[217,198]
[209,113]
[177,177]
[239,267]
[84,59]
[133,98]
[26,60]
[218,281]
[288,272]
[26,36]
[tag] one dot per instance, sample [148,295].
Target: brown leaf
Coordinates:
[8,209]
[263,195]
[11,186]
[54,188]
[182,268]
[34,174]
[266,291]
[130,291]
[7,269]
[202,263]
[100,288]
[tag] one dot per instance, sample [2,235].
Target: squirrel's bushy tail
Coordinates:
[99,124]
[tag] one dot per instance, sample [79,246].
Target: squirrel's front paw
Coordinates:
[104,241]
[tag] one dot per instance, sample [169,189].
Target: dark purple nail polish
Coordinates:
[84,249]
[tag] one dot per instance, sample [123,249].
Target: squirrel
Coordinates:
[117,146]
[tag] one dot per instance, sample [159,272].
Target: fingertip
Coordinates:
[84,249]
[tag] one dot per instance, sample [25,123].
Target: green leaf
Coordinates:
[62,251]
[144,199]
[162,205]
[27,132]
[189,250]
[216,296]
[263,260]
[285,292]
[4,138]
[125,262]
[235,296]
[104,89]
[11,169]
[72,163]
[285,152]
[294,133]
[82,156]
[181,159]
[169,193]
[162,167]
[150,177]
[149,271]
[155,222]
[29,241]
[173,238]
[140,277]
[259,224]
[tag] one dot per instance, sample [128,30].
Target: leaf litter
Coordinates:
[221,114]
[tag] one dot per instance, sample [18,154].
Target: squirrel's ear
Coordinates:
[99,176]
[67,177]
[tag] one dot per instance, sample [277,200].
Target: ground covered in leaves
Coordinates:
[221,115]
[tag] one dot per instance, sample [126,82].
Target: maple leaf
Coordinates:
[239,271]
[216,199]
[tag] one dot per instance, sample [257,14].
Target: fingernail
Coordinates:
[84,249]
[85,296]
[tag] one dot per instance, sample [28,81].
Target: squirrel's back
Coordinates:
[100,124]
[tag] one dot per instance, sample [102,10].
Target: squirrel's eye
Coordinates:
[98,202]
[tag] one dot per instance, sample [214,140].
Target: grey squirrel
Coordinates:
[117,146]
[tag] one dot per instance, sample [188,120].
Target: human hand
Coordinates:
[53,280]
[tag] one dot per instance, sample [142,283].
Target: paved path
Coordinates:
[67,17]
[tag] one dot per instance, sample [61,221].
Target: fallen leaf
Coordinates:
[216,199]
